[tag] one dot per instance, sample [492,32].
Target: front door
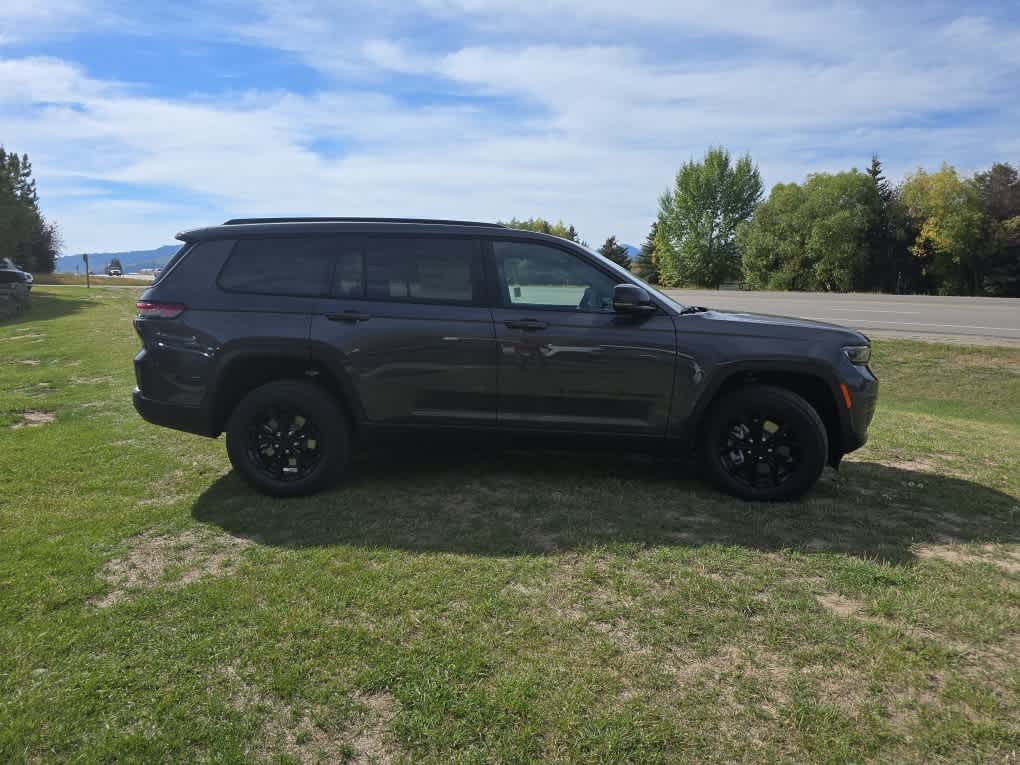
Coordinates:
[407,320]
[566,359]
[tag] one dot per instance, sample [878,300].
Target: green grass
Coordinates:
[473,606]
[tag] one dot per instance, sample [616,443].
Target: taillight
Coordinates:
[159,310]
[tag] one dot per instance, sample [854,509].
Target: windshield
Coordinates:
[676,306]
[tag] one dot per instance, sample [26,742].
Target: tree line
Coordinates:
[26,237]
[932,233]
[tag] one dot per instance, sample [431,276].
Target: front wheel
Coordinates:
[288,438]
[764,443]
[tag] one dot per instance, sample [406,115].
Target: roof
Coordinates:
[238,221]
[237,227]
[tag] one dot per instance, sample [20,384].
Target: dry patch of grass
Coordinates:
[1005,557]
[371,742]
[840,606]
[33,418]
[153,559]
[308,735]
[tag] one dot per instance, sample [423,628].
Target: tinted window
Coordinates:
[280,266]
[546,277]
[429,269]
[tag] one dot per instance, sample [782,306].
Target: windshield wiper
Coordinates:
[693,309]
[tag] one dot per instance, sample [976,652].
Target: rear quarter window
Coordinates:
[299,267]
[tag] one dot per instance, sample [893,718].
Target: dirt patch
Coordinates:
[28,362]
[840,606]
[1005,557]
[33,419]
[685,668]
[914,464]
[153,558]
[371,743]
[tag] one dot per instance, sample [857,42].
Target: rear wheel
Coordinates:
[764,443]
[288,438]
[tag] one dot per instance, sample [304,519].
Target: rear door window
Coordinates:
[297,266]
[423,269]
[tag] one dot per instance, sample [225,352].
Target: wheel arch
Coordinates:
[243,372]
[809,382]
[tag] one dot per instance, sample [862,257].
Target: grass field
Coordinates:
[470,607]
[79,279]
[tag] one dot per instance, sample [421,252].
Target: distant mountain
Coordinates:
[632,251]
[131,260]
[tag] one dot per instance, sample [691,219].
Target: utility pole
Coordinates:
[88,285]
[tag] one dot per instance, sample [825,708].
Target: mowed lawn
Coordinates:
[464,605]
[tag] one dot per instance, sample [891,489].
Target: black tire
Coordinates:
[764,444]
[288,438]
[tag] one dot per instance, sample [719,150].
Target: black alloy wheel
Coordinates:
[764,443]
[284,443]
[289,438]
[759,451]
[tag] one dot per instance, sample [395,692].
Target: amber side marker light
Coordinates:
[846,395]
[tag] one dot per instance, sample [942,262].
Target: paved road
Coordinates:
[991,321]
[986,321]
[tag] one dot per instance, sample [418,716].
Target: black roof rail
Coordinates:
[240,221]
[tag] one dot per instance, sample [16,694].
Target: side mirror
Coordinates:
[629,298]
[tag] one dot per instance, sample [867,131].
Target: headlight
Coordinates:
[858,354]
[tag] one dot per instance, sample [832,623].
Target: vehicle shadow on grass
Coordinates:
[45,307]
[511,502]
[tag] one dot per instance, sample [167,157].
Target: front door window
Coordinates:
[539,276]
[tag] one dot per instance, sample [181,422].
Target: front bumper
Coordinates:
[864,398]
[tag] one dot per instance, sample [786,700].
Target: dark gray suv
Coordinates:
[301,337]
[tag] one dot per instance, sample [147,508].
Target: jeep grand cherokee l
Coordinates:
[299,337]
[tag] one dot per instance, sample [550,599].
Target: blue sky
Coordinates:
[144,118]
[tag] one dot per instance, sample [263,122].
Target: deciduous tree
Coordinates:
[699,216]
[951,228]
[811,237]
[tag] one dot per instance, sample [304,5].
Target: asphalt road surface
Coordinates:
[982,321]
[989,321]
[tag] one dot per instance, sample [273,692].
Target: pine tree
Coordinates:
[25,237]
[614,251]
[891,267]
[881,184]
[645,265]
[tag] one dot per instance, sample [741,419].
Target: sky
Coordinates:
[144,118]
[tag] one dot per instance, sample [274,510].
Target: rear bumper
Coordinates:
[190,419]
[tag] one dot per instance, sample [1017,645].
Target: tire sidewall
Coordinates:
[781,404]
[314,403]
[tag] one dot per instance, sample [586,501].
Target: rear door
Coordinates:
[567,361]
[408,322]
